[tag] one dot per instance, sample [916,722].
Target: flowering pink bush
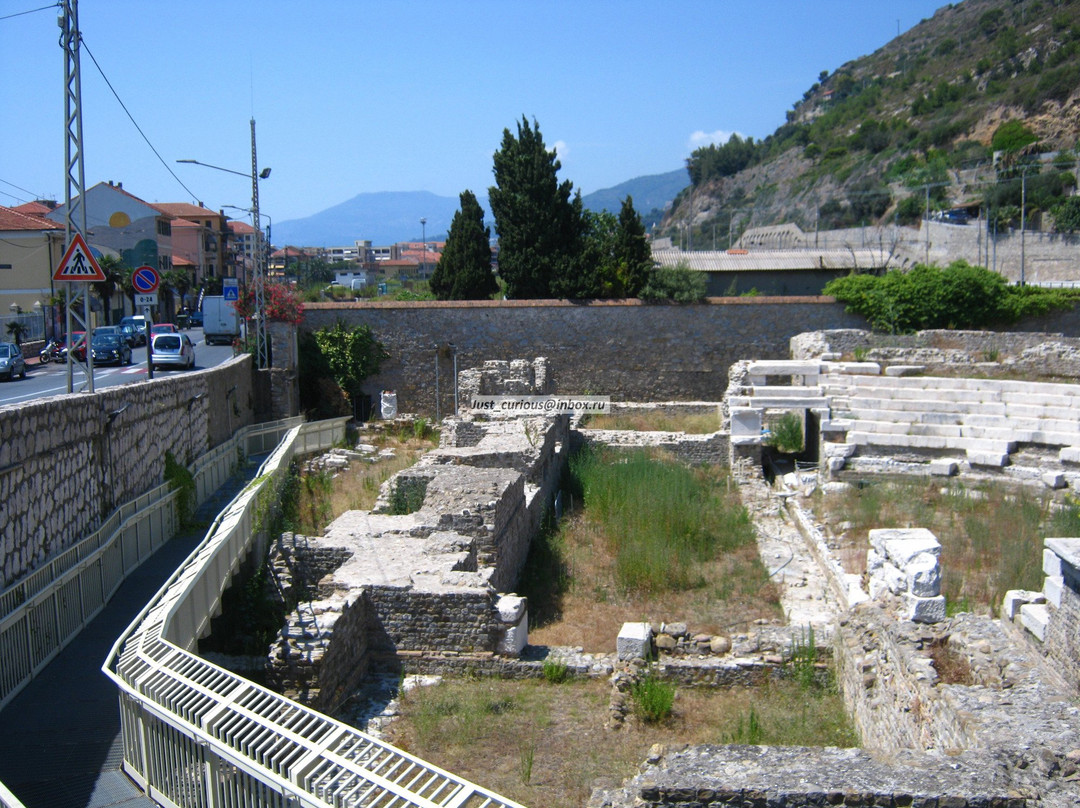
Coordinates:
[281,302]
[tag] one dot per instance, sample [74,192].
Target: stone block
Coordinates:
[1015,598]
[903,545]
[745,425]
[1053,479]
[904,370]
[995,459]
[511,608]
[839,449]
[943,467]
[924,577]
[1035,617]
[1068,551]
[924,610]
[1053,587]
[1051,565]
[1069,454]
[834,465]
[515,638]
[634,641]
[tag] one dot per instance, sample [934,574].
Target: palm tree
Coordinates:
[113,269]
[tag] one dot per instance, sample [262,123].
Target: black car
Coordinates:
[110,348]
[195,319]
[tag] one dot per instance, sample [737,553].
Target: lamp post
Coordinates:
[423,239]
[261,345]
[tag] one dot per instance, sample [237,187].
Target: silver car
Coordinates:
[12,363]
[172,350]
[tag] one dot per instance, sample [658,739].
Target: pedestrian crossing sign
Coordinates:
[78,263]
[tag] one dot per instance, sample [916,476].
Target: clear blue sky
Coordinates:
[358,96]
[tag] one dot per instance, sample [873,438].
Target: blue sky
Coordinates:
[406,95]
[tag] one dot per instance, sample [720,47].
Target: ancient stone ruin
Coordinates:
[955,711]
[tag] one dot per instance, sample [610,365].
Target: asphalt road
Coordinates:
[51,379]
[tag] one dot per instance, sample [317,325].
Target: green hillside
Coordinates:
[916,123]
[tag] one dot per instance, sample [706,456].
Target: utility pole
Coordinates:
[75,187]
[1023,220]
[262,349]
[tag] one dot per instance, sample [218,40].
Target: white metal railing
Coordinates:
[7,799]
[198,736]
[43,611]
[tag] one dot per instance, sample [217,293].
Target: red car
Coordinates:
[163,328]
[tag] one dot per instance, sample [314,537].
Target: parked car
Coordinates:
[109,348]
[78,341]
[172,350]
[137,322]
[127,333]
[12,363]
[195,319]
[163,328]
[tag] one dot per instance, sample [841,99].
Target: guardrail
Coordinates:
[198,736]
[42,612]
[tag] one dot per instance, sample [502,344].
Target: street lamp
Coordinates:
[423,238]
[261,344]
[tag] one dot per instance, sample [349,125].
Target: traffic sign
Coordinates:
[146,300]
[145,280]
[229,289]
[78,263]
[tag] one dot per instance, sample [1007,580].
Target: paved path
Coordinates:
[60,744]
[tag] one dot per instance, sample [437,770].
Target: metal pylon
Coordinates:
[73,163]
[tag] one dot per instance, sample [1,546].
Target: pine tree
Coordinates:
[538,223]
[632,252]
[464,270]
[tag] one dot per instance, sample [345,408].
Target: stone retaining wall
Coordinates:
[624,349]
[67,461]
[696,449]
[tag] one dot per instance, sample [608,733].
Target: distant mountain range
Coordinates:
[388,217]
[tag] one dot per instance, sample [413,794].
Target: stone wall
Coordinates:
[625,349]
[67,461]
[714,448]
[1062,636]
[435,579]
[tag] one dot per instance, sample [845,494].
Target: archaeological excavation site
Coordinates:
[869,469]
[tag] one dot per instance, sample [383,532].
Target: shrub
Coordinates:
[958,296]
[679,284]
[555,672]
[652,699]
[786,434]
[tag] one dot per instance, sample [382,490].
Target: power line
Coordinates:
[134,123]
[31,11]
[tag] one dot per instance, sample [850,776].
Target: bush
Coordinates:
[786,434]
[959,296]
[678,284]
[652,699]
[555,672]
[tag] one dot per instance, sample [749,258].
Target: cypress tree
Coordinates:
[464,270]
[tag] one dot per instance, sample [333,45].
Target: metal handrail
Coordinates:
[198,735]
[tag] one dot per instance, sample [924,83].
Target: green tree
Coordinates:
[1067,215]
[538,223]
[678,284]
[464,270]
[349,355]
[632,252]
[113,270]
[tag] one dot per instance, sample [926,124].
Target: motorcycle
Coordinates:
[53,352]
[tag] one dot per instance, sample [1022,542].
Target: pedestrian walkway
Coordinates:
[60,744]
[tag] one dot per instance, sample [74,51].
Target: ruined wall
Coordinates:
[624,349]
[67,461]
[695,449]
[1062,637]
[409,620]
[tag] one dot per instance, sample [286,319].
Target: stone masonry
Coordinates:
[68,461]
[381,586]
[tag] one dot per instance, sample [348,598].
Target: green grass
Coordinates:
[663,518]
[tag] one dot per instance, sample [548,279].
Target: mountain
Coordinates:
[650,193]
[385,218]
[391,216]
[921,117]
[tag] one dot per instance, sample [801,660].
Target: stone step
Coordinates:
[1035,617]
[863,404]
[999,433]
[981,445]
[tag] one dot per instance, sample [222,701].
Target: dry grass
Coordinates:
[323,496]
[545,745]
[655,421]
[991,536]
